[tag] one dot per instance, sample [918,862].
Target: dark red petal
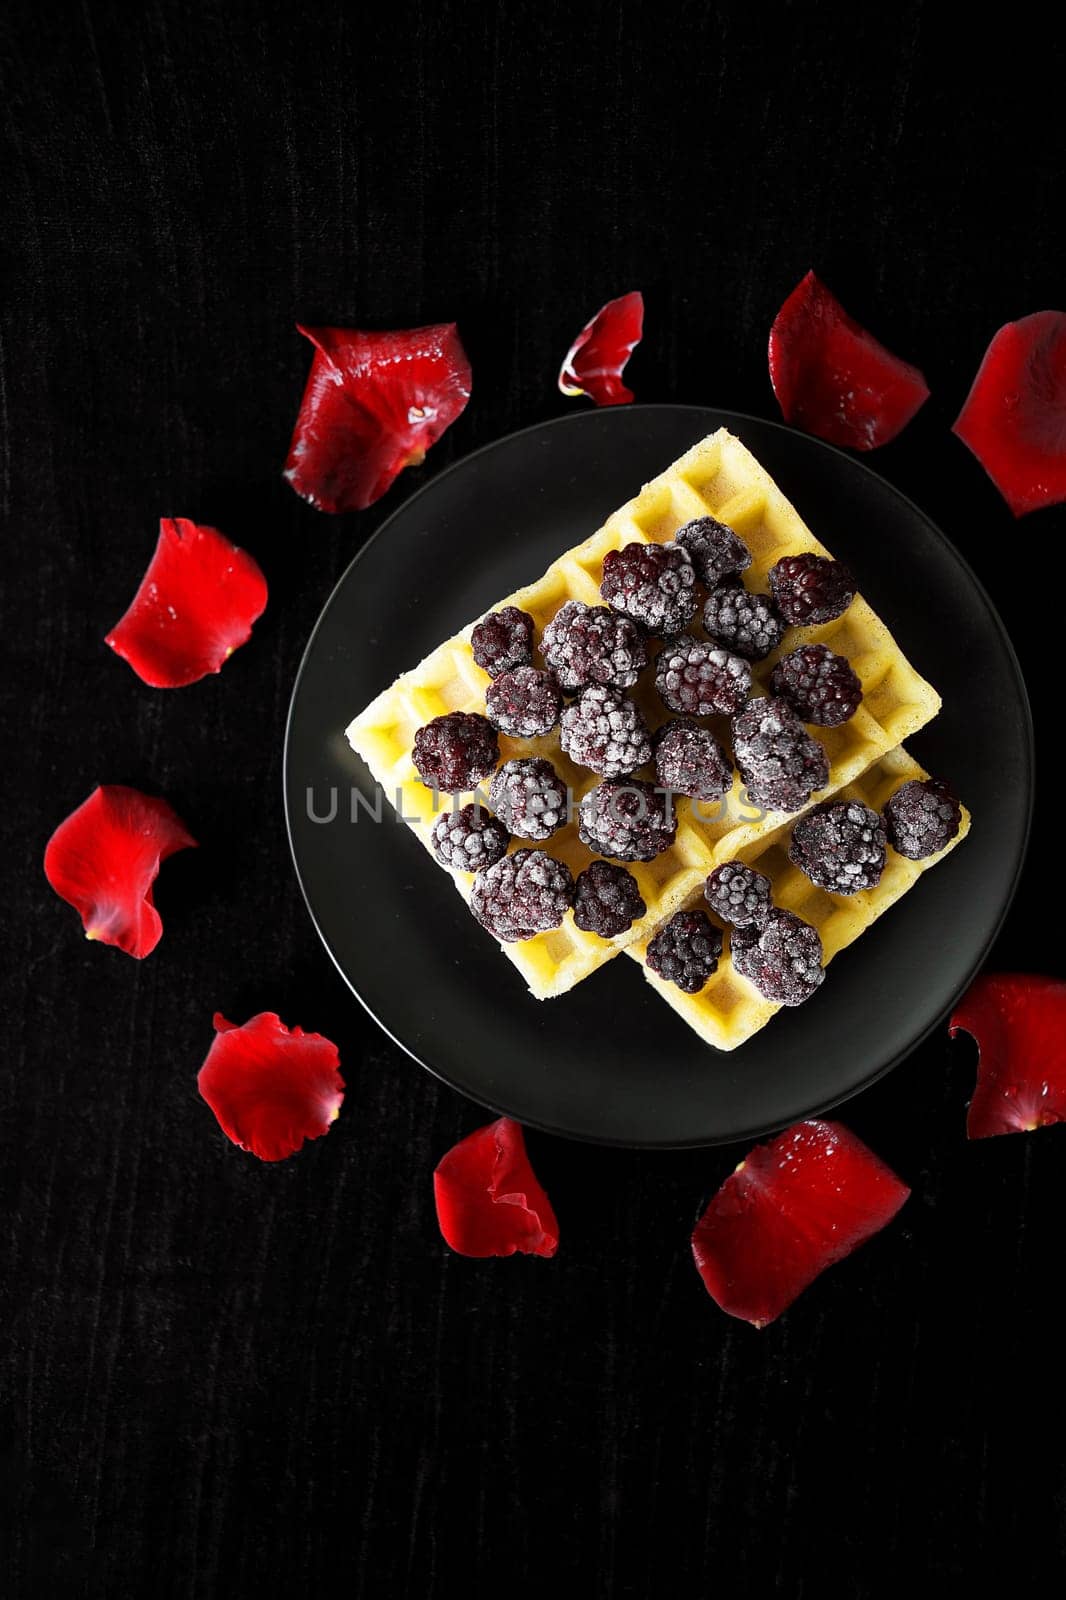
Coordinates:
[597,357]
[195,606]
[104,859]
[1019,1023]
[834,379]
[1014,419]
[489,1202]
[790,1210]
[374,403]
[271,1087]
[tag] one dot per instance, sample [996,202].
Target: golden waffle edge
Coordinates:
[718,477]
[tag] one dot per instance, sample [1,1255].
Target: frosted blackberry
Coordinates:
[524,894]
[469,839]
[922,817]
[627,819]
[689,760]
[503,640]
[818,684]
[715,551]
[686,951]
[742,621]
[808,589]
[653,584]
[607,900]
[605,731]
[779,761]
[698,679]
[454,752]
[524,703]
[529,797]
[593,644]
[840,846]
[783,958]
[739,895]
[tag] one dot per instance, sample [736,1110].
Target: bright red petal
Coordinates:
[1019,1023]
[1014,419]
[596,359]
[195,605]
[374,403]
[271,1087]
[790,1210]
[834,379]
[104,859]
[489,1202]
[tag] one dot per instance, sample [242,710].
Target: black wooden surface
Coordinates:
[223,1378]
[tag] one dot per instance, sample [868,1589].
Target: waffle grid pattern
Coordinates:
[717,477]
[728,1009]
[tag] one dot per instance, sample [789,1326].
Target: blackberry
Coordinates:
[819,685]
[739,895]
[699,680]
[503,640]
[593,644]
[607,900]
[922,817]
[524,703]
[809,589]
[689,760]
[779,761]
[783,958]
[454,752]
[627,819]
[529,797]
[522,895]
[744,622]
[469,839]
[840,846]
[653,584]
[715,551]
[686,951]
[605,731]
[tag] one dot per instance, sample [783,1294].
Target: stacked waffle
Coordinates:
[718,478]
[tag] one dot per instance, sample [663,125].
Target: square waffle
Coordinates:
[717,477]
[729,1009]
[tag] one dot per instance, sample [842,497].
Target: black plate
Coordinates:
[609,1061]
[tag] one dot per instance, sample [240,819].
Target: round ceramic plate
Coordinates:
[609,1061]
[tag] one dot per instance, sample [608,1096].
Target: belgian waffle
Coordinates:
[729,1009]
[717,477]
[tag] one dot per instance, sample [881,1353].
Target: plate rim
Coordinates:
[770,1128]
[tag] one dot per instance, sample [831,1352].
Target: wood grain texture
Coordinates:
[221,1378]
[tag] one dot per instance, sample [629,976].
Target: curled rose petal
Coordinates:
[374,403]
[104,859]
[489,1202]
[195,606]
[834,379]
[791,1209]
[596,359]
[1019,1023]
[271,1087]
[1014,419]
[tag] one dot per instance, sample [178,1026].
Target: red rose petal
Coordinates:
[1019,1023]
[489,1202]
[104,859]
[195,605]
[790,1210]
[271,1087]
[374,403]
[1014,419]
[596,359]
[834,379]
